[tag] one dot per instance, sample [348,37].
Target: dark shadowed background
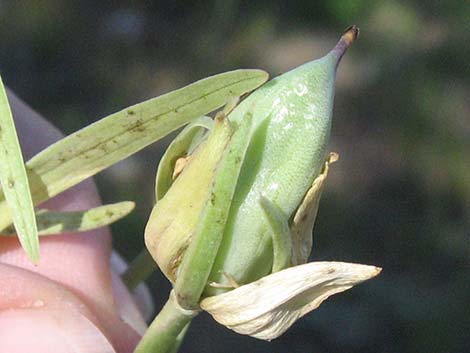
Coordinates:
[399,196]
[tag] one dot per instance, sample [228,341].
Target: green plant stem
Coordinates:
[139,270]
[179,339]
[167,330]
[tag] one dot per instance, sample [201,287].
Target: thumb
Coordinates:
[77,263]
[37,312]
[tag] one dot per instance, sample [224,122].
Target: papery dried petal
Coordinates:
[304,219]
[266,308]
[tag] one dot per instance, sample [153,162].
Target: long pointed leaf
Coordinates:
[90,150]
[15,181]
[50,222]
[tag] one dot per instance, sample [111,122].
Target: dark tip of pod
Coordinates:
[348,37]
[350,34]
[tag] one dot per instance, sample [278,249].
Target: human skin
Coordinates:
[72,300]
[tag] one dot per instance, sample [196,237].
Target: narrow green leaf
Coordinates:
[50,222]
[96,147]
[15,181]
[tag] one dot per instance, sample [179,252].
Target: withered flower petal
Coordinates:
[266,308]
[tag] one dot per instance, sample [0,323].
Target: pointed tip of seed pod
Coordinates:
[350,34]
[348,37]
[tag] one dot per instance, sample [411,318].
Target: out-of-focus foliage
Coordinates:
[399,196]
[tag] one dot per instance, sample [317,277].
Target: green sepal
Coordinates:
[184,144]
[171,224]
[200,255]
[281,235]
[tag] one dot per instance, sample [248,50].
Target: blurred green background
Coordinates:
[399,196]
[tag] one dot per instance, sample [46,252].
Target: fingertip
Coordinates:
[50,331]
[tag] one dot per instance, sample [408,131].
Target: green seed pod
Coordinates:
[287,151]
[228,218]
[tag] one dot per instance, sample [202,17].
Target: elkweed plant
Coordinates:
[236,196]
